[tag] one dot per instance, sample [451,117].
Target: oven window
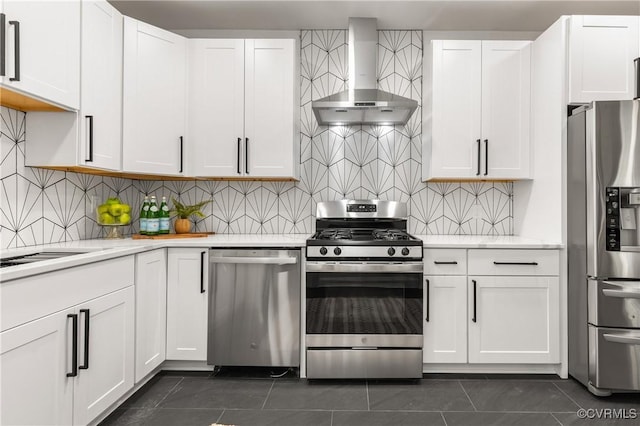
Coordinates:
[369,303]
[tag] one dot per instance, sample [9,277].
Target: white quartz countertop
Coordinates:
[98,250]
[486,241]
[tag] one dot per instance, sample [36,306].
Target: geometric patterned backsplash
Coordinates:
[41,206]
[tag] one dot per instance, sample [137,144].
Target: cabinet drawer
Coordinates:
[445,262]
[514,262]
[34,297]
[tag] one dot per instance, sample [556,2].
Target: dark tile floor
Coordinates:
[182,399]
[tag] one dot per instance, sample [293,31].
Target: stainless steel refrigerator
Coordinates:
[603,206]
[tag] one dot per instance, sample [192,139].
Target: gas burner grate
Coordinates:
[390,235]
[334,234]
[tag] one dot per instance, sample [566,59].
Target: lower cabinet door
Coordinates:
[514,320]
[34,361]
[106,360]
[445,326]
[151,311]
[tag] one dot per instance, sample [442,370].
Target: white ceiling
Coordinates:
[437,15]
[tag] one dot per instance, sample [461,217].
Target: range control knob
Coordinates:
[337,251]
[391,251]
[323,250]
[405,251]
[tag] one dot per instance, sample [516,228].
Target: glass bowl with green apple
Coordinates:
[113,214]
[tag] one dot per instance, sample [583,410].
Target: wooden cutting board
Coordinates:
[171,236]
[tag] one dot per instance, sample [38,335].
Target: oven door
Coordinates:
[364,305]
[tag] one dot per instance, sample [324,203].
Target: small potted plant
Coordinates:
[183,212]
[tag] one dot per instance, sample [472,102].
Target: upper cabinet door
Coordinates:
[154,99]
[271,135]
[456,109]
[216,107]
[506,109]
[44,59]
[601,54]
[101,118]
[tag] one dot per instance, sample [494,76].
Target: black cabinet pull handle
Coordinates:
[475,307]
[202,271]
[239,142]
[3,31]
[90,158]
[16,47]
[452,262]
[428,285]
[181,154]
[636,62]
[486,157]
[74,346]
[246,155]
[517,263]
[87,315]
[478,169]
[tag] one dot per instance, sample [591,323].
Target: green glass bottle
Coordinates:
[144,212]
[153,218]
[164,217]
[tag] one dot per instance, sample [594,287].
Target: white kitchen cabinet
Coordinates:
[601,54]
[445,327]
[154,100]
[151,311]
[101,109]
[514,320]
[456,105]
[243,114]
[187,303]
[92,137]
[491,306]
[506,108]
[480,110]
[216,106]
[43,50]
[39,382]
[110,361]
[42,383]
[34,361]
[514,306]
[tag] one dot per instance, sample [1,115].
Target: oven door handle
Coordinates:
[364,267]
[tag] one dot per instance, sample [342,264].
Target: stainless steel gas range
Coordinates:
[363,292]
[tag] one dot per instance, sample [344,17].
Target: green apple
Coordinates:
[104,208]
[115,209]
[107,219]
[126,208]
[112,200]
[124,218]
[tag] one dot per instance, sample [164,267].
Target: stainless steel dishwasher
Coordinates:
[254,308]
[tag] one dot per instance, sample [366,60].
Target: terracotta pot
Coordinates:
[182,226]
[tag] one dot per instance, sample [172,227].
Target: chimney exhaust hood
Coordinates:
[363,103]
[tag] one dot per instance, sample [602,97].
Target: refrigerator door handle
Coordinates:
[622,294]
[626,340]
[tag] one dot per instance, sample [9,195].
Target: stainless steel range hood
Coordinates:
[363,103]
